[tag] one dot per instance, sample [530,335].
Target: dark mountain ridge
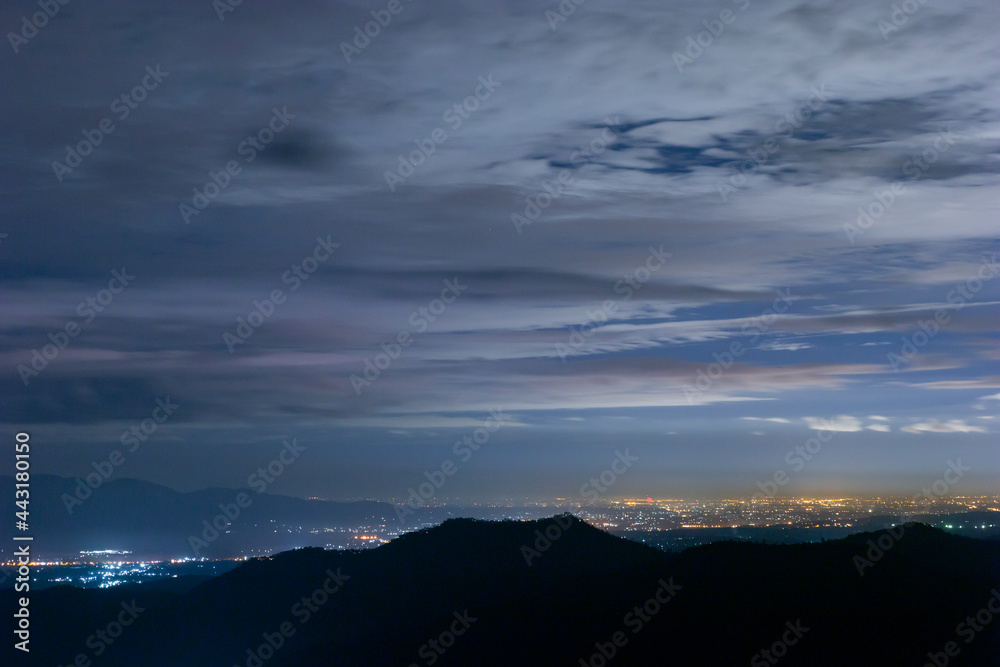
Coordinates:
[464,593]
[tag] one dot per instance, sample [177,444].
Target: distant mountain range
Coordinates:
[149,519]
[547,593]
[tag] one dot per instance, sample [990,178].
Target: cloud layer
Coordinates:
[802,217]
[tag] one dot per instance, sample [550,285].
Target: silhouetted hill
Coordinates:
[983,524]
[719,604]
[146,518]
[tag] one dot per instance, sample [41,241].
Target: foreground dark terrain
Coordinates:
[463,594]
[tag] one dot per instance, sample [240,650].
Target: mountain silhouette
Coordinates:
[551,592]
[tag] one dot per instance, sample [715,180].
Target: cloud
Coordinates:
[934,426]
[668,139]
[883,428]
[425,421]
[787,347]
[776,420]
[844,423]
[959,385]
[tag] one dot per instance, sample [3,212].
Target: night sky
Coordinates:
[619,237]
